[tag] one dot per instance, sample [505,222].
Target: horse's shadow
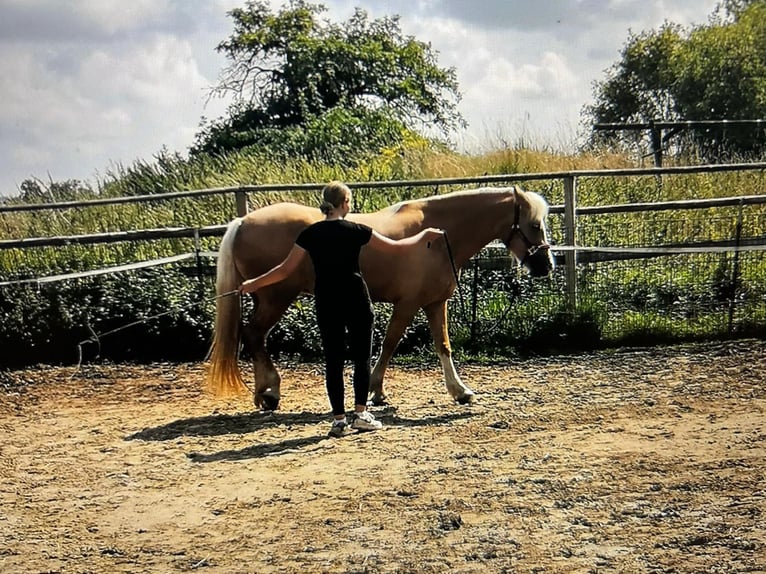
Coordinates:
[223,424]
[243,423]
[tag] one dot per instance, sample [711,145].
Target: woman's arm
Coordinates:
[276,274]
[386,244]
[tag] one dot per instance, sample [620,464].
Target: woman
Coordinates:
[341,297]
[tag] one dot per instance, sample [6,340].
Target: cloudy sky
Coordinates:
[87,85]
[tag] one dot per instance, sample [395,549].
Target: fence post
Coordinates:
[570,238]
[655,137]
[735,269]
[474,301]
[197,258]
[242,207]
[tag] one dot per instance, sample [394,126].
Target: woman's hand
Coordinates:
[247,286]
[388,245]
[433,233]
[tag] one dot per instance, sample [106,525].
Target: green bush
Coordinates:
[498,312]
[116,317]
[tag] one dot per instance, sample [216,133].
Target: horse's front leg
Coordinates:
[268,310]
[400,319]
[437,321]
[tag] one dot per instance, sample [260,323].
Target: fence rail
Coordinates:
[114,269]
[570,253]
[115,237]
[219,230]
[243,190]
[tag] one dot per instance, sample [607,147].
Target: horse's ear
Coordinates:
[521,197]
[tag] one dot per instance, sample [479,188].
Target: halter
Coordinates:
[532,248]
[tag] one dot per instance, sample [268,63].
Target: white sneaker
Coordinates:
[364,421]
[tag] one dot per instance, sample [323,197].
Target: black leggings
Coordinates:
[334,317]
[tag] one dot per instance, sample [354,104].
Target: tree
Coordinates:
[714,72]
[290,70]
[638,88]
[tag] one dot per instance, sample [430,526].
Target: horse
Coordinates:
[423,278]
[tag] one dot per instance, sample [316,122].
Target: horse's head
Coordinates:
[527,239]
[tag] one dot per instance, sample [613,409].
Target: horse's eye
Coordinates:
[536,226]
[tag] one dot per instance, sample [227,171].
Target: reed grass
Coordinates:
[621,302]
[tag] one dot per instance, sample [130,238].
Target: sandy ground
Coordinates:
[625,461]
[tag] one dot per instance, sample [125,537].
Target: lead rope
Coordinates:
[96,337]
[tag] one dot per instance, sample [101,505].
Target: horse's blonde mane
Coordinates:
[445,196]
[538,205]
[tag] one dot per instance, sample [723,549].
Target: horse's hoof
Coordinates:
[269,400]
[466,399]
[378,401]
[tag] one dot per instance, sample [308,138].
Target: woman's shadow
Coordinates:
[244,423]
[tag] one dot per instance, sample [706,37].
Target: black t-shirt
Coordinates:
[334,247]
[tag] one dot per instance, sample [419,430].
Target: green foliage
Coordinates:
[54,322]
[633,302]
[341,136]
[296,78]
[36,191]
[715,71]
[639,87]
[722,74]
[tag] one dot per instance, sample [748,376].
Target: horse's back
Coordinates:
[396,221]
[283,217]
[267,234]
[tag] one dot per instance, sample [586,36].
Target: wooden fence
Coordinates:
[570,251]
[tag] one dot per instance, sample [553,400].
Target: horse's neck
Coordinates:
[471,220]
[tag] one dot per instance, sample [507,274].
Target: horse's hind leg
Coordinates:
[437,321]
[269,308]
[400,319]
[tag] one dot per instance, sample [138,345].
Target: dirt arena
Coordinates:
[623,461]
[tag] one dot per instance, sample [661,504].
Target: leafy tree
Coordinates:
[291,73]
[639,87]
[715,71]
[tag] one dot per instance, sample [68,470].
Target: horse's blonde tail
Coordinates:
[223,377]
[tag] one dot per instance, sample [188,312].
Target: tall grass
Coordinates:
[646,300]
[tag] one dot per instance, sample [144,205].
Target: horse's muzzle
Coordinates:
[539,260]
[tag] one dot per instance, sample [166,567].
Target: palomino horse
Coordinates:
[422,278]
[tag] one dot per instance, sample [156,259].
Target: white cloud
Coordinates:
[127,85]
[87,83]
[126,102]
[113,17]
